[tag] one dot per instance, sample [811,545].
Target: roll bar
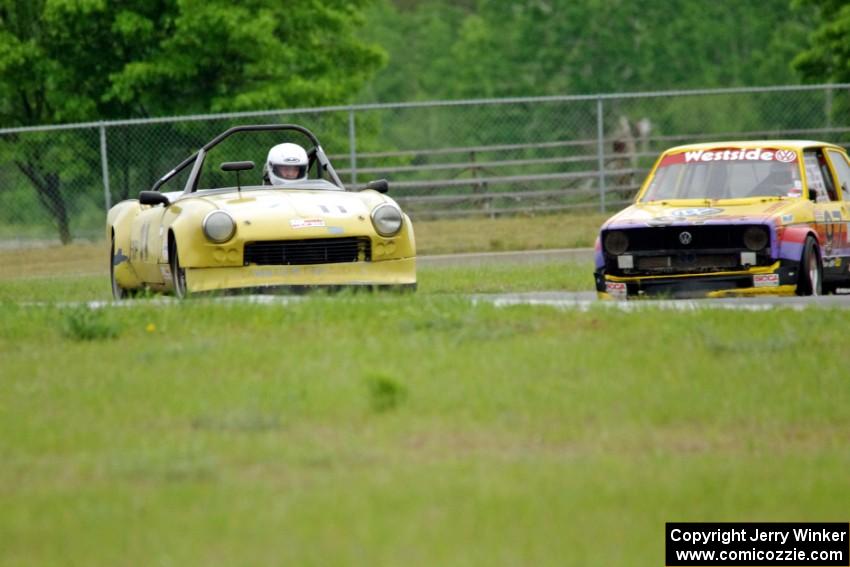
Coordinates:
[320,154]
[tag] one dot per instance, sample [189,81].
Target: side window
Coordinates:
[814,177]
[828,182]
[842,170]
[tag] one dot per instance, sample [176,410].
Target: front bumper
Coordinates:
[778,279]
[388,272]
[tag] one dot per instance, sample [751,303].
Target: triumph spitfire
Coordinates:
[731,219]
[211,232]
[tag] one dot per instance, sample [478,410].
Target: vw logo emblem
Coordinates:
[685,237]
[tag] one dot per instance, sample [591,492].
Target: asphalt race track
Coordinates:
[584,300]
[581,300]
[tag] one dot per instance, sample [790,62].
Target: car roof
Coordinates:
[792,144]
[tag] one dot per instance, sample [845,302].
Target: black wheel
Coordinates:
[178,274]
[810,278]
[118,292]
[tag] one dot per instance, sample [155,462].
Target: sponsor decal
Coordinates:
[695,212]
[306,223]
[797,189]
[788,219]
[336,230]
[616,290]
[731,154]
[143,249]
[660,221]
[766,280]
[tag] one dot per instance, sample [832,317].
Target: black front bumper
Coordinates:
[695,285]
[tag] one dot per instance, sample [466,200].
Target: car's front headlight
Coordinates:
[219,226]
[756,238]
[387,219]
[616,242]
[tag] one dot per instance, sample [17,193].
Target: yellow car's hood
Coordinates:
[702,211]
[265,213]
[291,204]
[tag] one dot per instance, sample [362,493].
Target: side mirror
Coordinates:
[153,198]
[237,165]
[379,185]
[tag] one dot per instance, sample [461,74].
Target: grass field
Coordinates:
[408,430]
[416,429]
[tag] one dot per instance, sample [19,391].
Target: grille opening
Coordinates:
[667,262]
[308,252]
[708,248]
[688,262]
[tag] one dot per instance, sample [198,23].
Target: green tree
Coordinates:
[827,56]
[257,54]
[440,49]
[79,60]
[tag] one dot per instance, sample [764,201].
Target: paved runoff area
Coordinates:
[582,300]
[586,299]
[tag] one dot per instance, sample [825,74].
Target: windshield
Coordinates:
[726,173]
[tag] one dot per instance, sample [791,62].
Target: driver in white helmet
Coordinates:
[285,164]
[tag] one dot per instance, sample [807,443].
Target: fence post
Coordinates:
[600,149]
[352,146]
[828,107]
[104,165]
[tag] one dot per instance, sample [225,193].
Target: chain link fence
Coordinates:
[443,159]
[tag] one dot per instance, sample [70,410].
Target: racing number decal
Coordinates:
[834,228]
[138,247]
[146,228]
[834,234]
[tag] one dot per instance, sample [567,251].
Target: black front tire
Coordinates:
[178,274]
[810,278]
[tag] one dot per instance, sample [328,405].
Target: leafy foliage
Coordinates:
[492,48]
[385,393]
[219,57]
[79,60]
[827,57]
[86,324]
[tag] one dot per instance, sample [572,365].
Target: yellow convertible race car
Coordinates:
[200,229]
[733,218]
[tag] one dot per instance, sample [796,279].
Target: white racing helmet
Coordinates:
[286,163]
